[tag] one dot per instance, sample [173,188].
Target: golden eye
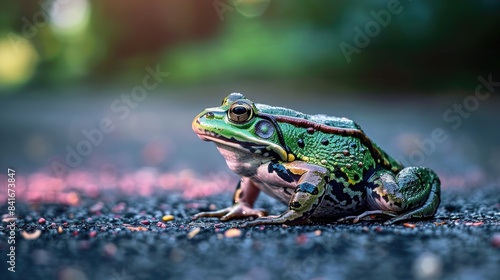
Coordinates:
[240,112]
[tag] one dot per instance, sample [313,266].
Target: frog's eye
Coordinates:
[240,112]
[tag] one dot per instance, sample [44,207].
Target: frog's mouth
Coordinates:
[247,147]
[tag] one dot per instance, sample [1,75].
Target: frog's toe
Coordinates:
[243,212]
[211,214]
[269,220]
[237,211]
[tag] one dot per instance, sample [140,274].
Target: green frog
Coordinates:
[322,167]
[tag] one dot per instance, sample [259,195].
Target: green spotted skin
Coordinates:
[321,166]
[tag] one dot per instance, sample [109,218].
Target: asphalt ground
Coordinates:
[124,212]
[123,237]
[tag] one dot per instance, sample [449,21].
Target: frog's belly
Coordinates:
[282,194]
[332,206]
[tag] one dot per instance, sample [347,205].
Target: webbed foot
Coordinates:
[237,211]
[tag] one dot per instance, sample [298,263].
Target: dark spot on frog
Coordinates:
[341,196]
[356,177]
[325,142]
[329,198]
[280,170]
[353,145]
[310,130]
[308,187]
[295,204]
[300,142]
[339,174]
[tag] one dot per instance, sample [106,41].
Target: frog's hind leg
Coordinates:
[419,207]
[413,193]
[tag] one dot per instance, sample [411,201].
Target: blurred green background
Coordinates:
[429,46]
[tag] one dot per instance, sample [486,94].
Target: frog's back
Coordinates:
[336,143]
[319,119]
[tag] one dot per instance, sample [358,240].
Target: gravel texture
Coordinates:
[123,237]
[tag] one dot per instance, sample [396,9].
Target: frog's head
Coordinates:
[239,126]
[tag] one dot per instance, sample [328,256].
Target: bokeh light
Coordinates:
[18,60]
[70,16]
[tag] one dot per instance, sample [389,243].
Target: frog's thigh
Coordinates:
[412,193]
[308,195]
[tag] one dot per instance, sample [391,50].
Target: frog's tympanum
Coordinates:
[320,166]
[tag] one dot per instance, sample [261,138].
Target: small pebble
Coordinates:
[474,224]
[427,266]
[41,221]
[161,225]
[93,233]
[193,232]
[317,232]
[408,225]
[495,240]
[132,228]
[31,236]
[167,218]
[60,230]
[110,249]
[301,239]
[232,232]
[145,222]
[96,207]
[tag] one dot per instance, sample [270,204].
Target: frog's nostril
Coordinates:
[210,115]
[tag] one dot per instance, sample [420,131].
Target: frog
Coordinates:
[322,167]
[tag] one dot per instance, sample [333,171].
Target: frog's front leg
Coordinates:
[308,195]
[413,193]
[243,199]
